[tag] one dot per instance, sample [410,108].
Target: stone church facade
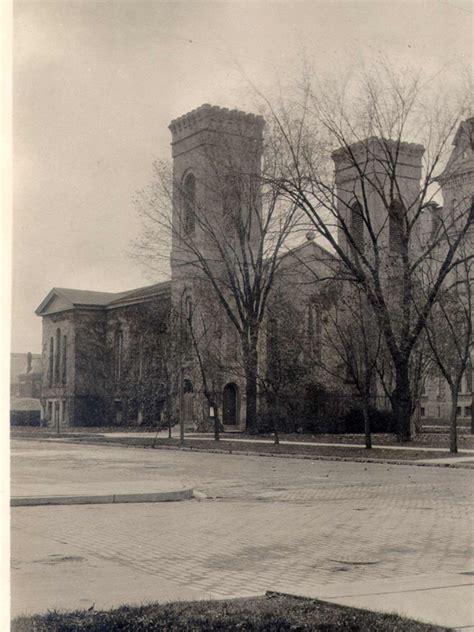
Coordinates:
[114,358]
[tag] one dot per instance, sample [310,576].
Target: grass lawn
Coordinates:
[229,446]
[344,449]
[261,614]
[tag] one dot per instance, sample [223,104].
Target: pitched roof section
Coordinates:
[63,299]
[461,160]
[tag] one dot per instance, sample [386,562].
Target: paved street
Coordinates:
[266,520]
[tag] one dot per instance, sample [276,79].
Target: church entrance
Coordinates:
[188,396]
[229,405]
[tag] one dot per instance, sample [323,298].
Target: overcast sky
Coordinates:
[96,84]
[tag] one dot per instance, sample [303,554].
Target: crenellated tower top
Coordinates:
[216,119]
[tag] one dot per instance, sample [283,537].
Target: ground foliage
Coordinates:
[269,614]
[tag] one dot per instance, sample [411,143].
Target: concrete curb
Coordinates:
[104,499]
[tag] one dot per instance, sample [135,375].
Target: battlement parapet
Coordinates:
[378,149]
[214,118]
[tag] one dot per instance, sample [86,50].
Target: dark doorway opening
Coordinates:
[229,405]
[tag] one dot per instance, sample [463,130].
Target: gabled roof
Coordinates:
[62,299]
[461,160]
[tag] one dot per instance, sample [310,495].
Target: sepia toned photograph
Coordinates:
[241,353]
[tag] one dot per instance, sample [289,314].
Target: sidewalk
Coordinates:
[441,599]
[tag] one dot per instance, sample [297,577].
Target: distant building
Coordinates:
[26,375]
[22,364]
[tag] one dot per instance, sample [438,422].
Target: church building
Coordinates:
[117,358]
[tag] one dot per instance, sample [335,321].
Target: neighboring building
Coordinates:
[457,183]
[115,358]
[98,348]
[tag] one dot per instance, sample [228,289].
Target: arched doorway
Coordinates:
[188,396]
[229,404]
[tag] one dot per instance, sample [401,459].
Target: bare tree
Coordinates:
[449,330]
[204,338]
[237,256]
[376,214]
[356,346]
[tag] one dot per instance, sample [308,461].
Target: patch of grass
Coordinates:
[261,614]
[339,451]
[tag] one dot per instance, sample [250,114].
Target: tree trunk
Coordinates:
[368,436]
[453,422]
[251,365]
[401,403]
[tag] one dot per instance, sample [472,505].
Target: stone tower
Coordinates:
[216,158]
[382,163]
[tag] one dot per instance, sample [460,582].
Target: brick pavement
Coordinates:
[267,519]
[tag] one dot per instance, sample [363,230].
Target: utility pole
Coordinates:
[181,403]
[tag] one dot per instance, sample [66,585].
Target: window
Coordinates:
[357,226]
[186,316]
[314,330]
[396,221]
[118,350]
[64,360]
[231,202]
[468,376]
[422,411]
[441,388]
[189,204]
[188,308]
[57,357]
[51,361]
[458,410]
[467,411]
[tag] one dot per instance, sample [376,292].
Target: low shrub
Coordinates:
[380,421]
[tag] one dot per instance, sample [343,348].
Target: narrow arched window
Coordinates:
[231,204]
[189,204]
[186,318]
[64,361]
[396,217]
[314,328]
[118,350]
[51,361]
[57,357]
[357,226]
[188,307]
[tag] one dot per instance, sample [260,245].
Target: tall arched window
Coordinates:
[118,351]
[314,326]
[396,218]
[231,206]
[63,361]
[357,226]
[57,357]
[189,204]
[186,316]
[51,361]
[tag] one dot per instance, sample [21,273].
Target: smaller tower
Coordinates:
[376,179]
